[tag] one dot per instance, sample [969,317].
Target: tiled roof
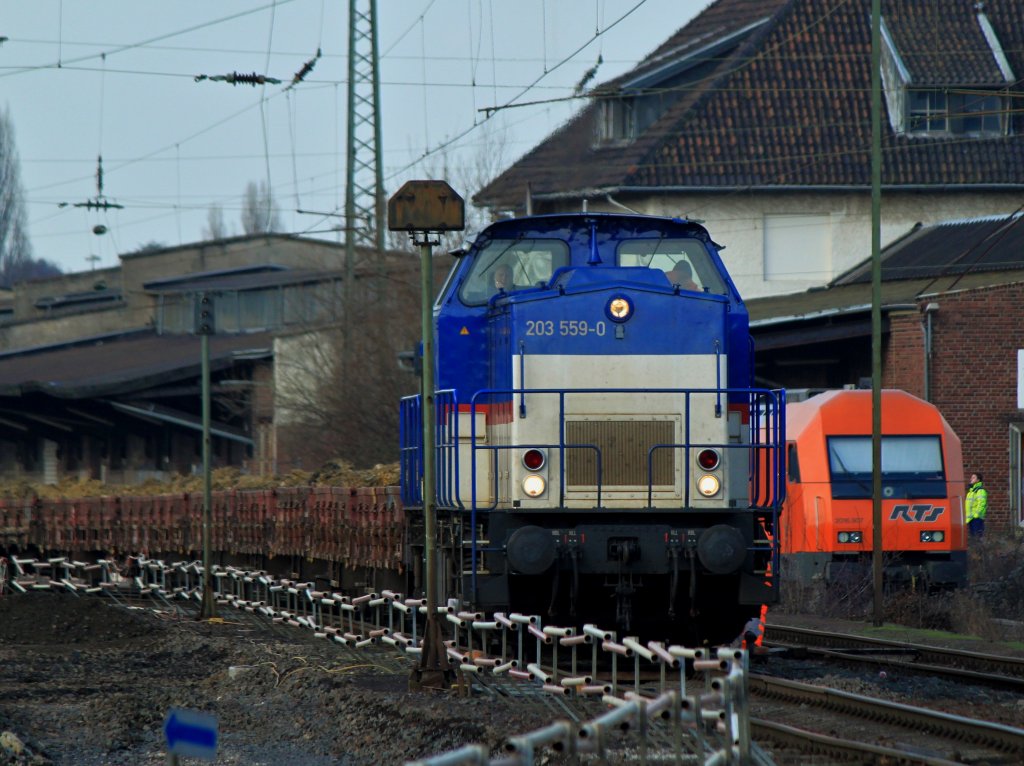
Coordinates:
[943,44]
[789,106]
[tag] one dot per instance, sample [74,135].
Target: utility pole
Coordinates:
[876,313]
[365,212]
[205,326]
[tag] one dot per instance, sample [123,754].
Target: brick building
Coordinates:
[952,334]
[974,375]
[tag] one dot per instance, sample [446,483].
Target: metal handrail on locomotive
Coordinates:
[601,452]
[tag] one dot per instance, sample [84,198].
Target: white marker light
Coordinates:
[708,485]
[534,485]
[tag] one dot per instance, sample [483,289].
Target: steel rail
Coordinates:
[1005,739]
[977,677]
[816,744]
[939,656]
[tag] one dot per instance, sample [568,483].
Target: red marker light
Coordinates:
[533,459]
[707,459]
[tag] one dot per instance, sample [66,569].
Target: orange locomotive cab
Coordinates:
[826,526]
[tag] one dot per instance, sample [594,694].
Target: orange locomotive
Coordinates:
[826,524]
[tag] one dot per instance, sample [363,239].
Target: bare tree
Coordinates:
[153,246]
[334,403]
[259,213]
[486,165]
[16,261]
[215,226]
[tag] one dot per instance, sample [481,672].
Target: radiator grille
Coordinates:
[624,445]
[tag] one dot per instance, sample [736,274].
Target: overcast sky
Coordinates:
[117,78]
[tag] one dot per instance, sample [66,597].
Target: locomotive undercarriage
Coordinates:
[697,582]
[913,569]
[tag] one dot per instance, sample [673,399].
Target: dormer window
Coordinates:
[959,112]
[632,104]
[616,120]
[964,91]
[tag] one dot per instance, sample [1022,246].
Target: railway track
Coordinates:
[885,732]
[989,670]
[603,694]
[581,677]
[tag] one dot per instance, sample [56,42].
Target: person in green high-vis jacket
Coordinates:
[975,506]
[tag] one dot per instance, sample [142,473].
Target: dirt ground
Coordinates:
[84,683]
[87,683]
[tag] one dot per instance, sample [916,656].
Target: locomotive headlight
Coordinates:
[850,537]
[534,485]
[708,485]
[619,308]
[933,536]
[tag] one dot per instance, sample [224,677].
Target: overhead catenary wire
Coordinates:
[408,29]
[143,43]
[472,55]
[181,146]
[268,214]
[471,128]
[291,142]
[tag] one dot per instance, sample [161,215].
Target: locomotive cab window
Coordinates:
[512,264]
[685,262]
[792,464]
[911,467]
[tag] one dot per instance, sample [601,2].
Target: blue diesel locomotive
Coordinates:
[601,454]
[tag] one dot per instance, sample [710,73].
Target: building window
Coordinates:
[977,113]
[927,111]
[972,113]
[616,120]
[798,247]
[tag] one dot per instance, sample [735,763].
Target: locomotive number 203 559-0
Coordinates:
[569,327]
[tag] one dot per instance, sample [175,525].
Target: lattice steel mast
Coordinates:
[365,206]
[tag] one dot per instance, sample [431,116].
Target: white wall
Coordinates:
[303,361]
[738,221]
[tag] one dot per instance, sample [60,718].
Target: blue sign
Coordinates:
[191,733]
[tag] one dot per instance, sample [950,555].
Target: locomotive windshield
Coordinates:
[911,467]
[685,262]
[512,264]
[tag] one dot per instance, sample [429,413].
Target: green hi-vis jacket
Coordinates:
[976,502]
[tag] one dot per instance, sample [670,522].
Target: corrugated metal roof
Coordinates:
[119,364]
[240,280]
[949,249]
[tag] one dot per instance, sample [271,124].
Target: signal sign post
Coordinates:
[205,326]
[420,208]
